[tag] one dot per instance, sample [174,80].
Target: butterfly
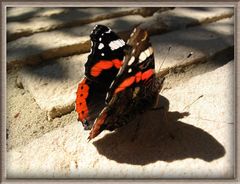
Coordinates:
[119,82]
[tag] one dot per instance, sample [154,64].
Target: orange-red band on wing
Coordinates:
[117,63]
[126,83]
[137,78]
[104,65]
[97,125]
[147,74]
[81,96]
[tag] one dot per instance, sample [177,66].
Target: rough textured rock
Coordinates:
[24,13]
[25,119]
[48,19]
[56,94]
[202,41]
[197,146]
[39,42]
[54,86]
[73,40]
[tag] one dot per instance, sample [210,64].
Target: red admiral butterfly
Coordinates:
[119,81]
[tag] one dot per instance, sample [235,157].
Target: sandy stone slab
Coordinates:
[54,86]
[44,19]
[72,17]
[39,47]
[57,95]
[22,13]
[40,42]
[190,147]
[202,41]
[25,119]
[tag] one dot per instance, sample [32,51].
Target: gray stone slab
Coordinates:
[202,41]
[15,14]
[197,147]
[48,19]
[38,23]
[40,42]
[57,97]
[54,86]
[49,45]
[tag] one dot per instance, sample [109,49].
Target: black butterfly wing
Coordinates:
[103,63]
[133,89]
[106,56]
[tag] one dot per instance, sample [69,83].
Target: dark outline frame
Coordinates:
[235,4]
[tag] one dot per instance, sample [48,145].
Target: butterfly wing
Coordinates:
[106,56]
[104,61]
[133,89]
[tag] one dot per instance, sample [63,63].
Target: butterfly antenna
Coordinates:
[192,102]
[164,59]
[184,59]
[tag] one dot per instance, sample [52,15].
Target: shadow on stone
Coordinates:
[159,140]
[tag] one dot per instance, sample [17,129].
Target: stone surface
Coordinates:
[39,42]
[56,95]
[202,41]
[36,47]
[24,13]
[47,20]
[197,146]
[54,86]
[25,119]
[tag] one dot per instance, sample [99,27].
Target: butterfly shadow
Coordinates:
[158,135]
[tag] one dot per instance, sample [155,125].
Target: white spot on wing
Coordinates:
[100,46]
[129,70]
[113,45]
[120,42]
[131,61]
[123,43]
[150,50]
[116,44]
[142,57]
[145,54]
[100,39]
[109,30]
[102,54]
